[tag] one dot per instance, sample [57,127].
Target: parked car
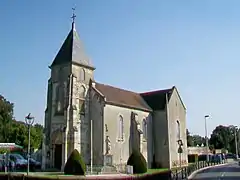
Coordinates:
[3,161]
[2,168]
[20,162]
[217,158]
[230,156]
[35,164]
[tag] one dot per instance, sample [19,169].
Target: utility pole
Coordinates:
[91,147]
[29,122]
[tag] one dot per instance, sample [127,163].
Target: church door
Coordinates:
[58,156]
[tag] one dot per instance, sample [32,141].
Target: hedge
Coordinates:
[164,175]
[75,164]
[138,162]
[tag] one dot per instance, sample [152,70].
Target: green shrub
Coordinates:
[192,158]
[138,162]
[75,164]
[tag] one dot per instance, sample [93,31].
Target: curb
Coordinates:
[195,172]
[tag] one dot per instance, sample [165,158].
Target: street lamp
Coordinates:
[206,138]
[29,121]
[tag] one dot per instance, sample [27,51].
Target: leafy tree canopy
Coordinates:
[223,137]
[6,116]
[195,140]
[189,139]
[12,131]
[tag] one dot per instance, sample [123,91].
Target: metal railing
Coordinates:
[183,173]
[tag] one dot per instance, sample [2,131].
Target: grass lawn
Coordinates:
[151,171]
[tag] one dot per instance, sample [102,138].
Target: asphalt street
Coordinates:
[228,172]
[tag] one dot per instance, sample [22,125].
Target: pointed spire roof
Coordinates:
[72,50]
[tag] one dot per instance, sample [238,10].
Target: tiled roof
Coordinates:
[122,97]
[157,99]
[72,51]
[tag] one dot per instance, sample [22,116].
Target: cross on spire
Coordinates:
[73,16]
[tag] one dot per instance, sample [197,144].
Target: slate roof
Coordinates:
[157,99]
[121,97]
[72,51]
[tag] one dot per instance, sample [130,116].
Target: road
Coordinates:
[225,172]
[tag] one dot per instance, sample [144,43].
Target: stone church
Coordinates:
[105,123]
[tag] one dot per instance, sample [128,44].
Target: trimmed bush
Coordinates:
[192,158]
[138,162]
[75,164]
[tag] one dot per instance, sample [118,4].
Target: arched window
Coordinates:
[178,130]
[82,74]
[82,92]
[60,74]
[81,106]
[144,125]
[120,128]
[95,98]
[57,92]
[59,97]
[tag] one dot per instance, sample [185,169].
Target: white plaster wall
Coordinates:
[121,151]
[177,112]
[161,141]
[96,116]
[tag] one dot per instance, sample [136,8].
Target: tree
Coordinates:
[198,140]
[6,116]
[223,137]
[12,131]
[36,136]
[189,139]
[19,134]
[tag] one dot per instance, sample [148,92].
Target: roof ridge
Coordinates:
[117,87]
[122,97]
[157,91]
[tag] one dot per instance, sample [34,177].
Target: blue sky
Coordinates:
[139,45]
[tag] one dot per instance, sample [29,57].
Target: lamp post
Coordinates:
[91,146]
[29,121]
[206,138]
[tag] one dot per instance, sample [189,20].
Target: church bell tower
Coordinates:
[66,114]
